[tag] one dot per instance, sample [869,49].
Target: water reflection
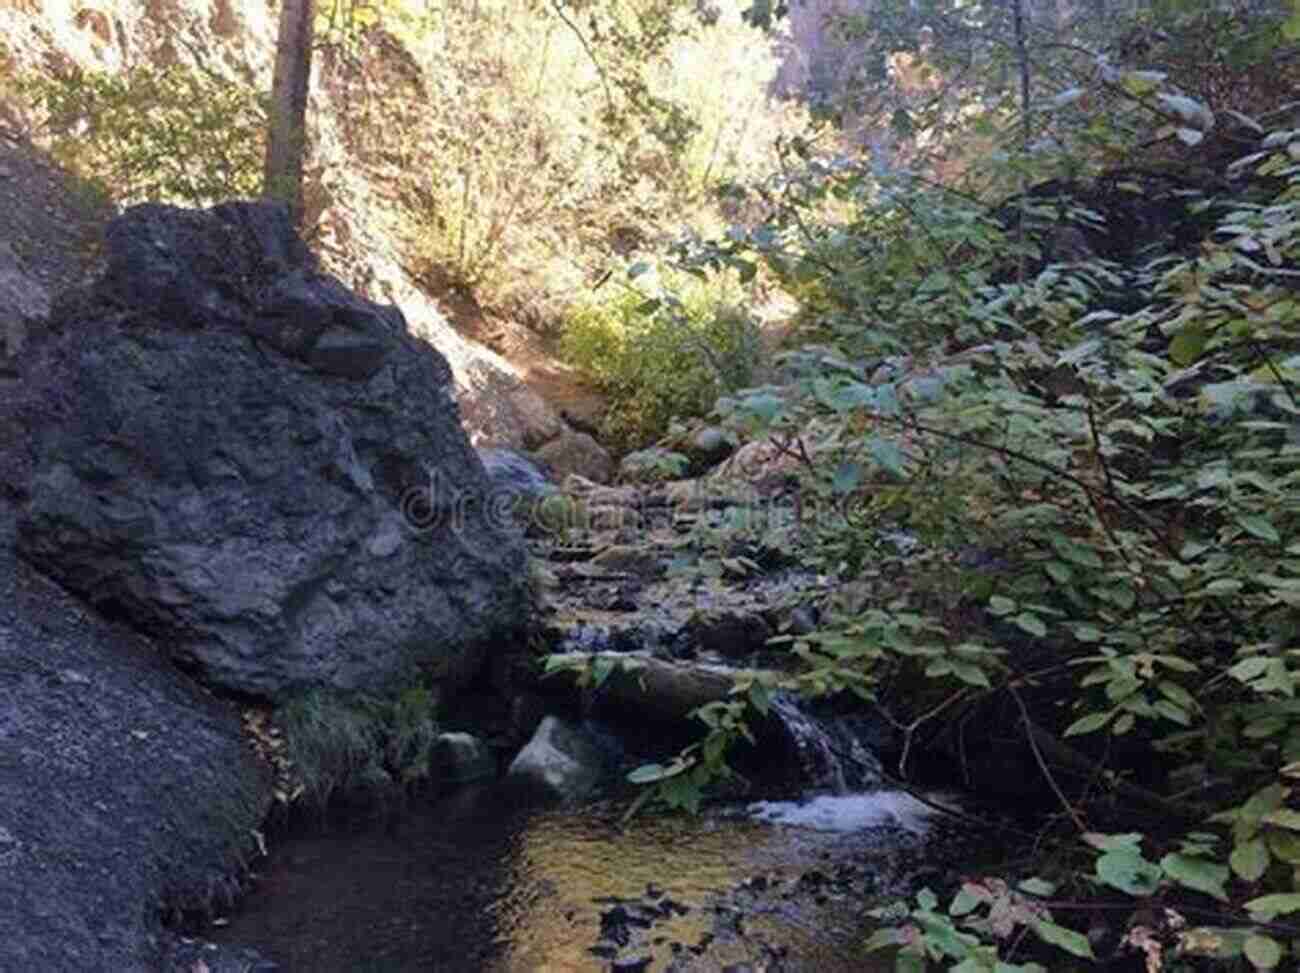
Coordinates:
[485,881]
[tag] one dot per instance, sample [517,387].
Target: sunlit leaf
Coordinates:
[1267,906]
[1264,952]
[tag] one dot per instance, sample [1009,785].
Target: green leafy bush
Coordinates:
[1099,514]
[660,358]
[166,134]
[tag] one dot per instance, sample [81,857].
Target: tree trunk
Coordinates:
[287,138]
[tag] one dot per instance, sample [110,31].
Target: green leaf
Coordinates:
[1283,818]
[1129,872]
[1037,886]
[1031,623]
[1248,669]
[1285,846]
[1089,724]
[1188,345]
[969,673]
[764,405]
[1058,571]
[1074,552]
[965,902]
[1266,727]
[1250,860]
[1000,606]
[1172,711]
[1291,27]
[649,773]
[884,939]
[1197,873]
[1129,842]
[909,962]
[1266,907]
[887,454]
[1067,939]
[1259,527]
[1264,952]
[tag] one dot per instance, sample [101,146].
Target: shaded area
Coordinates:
[487,881]
[126,793]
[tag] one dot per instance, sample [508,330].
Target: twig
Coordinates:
[1042,764]
[558,7]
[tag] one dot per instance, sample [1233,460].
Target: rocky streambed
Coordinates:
[674,593]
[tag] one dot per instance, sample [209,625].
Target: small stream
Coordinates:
[484,880]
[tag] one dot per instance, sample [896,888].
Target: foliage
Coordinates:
[174,134]
[1063,482]
[531,146]
[654,464]
[682,783]
[656,358]
[339,747]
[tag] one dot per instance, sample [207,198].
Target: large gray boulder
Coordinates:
[241,458]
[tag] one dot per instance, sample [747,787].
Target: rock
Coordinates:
[577,452]
[562,758]
[497,406]
[463,757]
[728,631]
[596,494]
[804,620]
[23,300]
[706,448]
[627,559]
[692,496]
[260,469]
[196,956]
[608,517]
[513,472]
[127,792]
[645,690]
[519,487]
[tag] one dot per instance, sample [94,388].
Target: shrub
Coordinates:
[656,359]
[165,134]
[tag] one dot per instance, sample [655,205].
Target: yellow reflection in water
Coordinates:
[565,863]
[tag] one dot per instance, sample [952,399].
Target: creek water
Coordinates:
[486,880]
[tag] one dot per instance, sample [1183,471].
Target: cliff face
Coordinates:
[350,202]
